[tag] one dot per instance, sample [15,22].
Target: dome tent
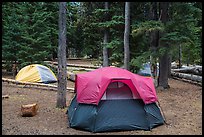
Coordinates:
[36,73]
[111,98]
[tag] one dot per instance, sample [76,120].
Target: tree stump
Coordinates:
[29,110]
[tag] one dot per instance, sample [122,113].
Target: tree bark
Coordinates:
[14,70]
[164,59]
[163,71]
[154,38]
[126,36]
[105,40]
[180,56]
[169,65]
[62,61]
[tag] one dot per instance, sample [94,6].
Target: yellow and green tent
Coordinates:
[36,73]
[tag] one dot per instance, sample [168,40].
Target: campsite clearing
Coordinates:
[181,104]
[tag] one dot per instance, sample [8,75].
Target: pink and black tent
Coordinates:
[112,98]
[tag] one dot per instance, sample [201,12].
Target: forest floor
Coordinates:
[181,105]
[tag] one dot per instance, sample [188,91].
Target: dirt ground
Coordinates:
[181,105]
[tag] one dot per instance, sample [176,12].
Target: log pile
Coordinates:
[189,74]
[189,70]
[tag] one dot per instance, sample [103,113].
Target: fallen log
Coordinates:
[79,69]
[187,76]
[29,110]
[189,81]
[73,68]
[75,65]
[71,75]
[191,70]
[50,86]
[83,66]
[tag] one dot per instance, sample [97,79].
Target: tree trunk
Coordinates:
[163,71]
[180,56]
[14,69]
[169,65]
[154,38]
[188,60]
[62,62]
[164,59]
[105,41]
[126,36]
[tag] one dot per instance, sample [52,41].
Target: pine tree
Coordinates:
[126,36]
[105,41]
[62,61]
[164,59]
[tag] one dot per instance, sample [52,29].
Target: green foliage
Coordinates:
[136,63]
[115,21]
[26,33]
[116,52]
[141,35]
[30,31]
[184,29]
[147,27]
[94,20]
